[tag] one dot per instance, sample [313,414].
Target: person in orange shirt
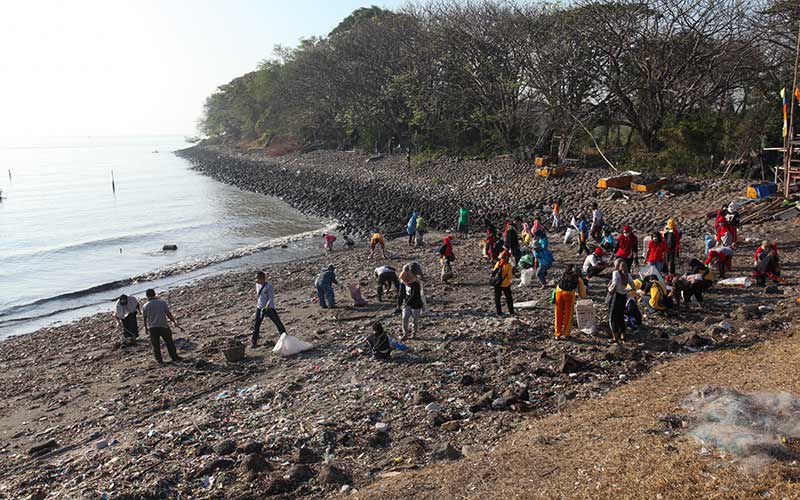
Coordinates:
[556,213]
[570,283]
[374,241]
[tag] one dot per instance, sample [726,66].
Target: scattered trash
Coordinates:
[741,282]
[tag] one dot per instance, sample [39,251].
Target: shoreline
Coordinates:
[489,376]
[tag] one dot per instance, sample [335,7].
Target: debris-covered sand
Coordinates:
[109,421]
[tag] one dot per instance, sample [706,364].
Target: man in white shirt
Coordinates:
[125,314]
[593,265]
[596,230]
[265,296]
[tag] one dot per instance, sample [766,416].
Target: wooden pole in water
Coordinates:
[113,187]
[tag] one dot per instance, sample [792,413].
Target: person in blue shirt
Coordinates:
[544,259]
[583,235]
[608,243]
[411,227]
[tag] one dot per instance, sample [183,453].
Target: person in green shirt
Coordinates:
[463,221]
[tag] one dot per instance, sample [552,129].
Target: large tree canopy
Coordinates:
[680,80]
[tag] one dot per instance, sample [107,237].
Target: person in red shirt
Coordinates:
[657,252]
[627,246]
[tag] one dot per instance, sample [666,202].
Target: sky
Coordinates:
[143,67]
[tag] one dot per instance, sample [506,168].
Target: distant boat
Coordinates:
[192,140]
[155,151]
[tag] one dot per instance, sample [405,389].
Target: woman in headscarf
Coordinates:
[411,300]
[617,298]
[657,252]
[526,236]
[570,283]
[672,238]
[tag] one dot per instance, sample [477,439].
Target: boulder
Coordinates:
[330,474]
[569,364]
[251,446]
[225,447]
[299,473]
[445,451]
[254,462]
[304,455]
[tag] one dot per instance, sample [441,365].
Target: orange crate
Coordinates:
[619,182]
[649,188]
[541,161]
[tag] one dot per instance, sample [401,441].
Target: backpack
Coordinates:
[568,282]
[496,278]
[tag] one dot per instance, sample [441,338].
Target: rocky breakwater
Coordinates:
[367,194]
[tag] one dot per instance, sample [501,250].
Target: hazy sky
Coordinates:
[117,67]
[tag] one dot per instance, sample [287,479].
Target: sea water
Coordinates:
[83,219]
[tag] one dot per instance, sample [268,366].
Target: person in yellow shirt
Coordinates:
[570,283]
[659,300]
[374,241]
[503,274]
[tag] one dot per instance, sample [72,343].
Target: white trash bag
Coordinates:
[584,315]
[569,235]
[526,277]
[742,282]
[288,345]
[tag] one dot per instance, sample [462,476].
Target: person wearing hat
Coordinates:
[627,246]
[324,285]
[672,238]
[125,315]
[265,307]
[593,265]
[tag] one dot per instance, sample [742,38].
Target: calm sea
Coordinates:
[69,243]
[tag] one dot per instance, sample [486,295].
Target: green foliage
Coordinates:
[663,88]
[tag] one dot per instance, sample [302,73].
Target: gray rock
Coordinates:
[445,451]
[225,447]
[213,466]
[330,474]
[299,473]
[423,398]
[305,456]
[251,446]
[254,462]
[569,364]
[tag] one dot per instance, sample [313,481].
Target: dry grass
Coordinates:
[600,448]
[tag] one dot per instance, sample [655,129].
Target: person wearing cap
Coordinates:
[593,265]
[265,307]
[627,246]
[544,259]
[125,315]
[504,287]
[324,285]
[672,238]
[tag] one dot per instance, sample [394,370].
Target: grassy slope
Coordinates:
[599,448]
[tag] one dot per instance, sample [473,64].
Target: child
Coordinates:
[377,344]
[329,239]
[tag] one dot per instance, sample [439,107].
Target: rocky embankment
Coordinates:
[368,195]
